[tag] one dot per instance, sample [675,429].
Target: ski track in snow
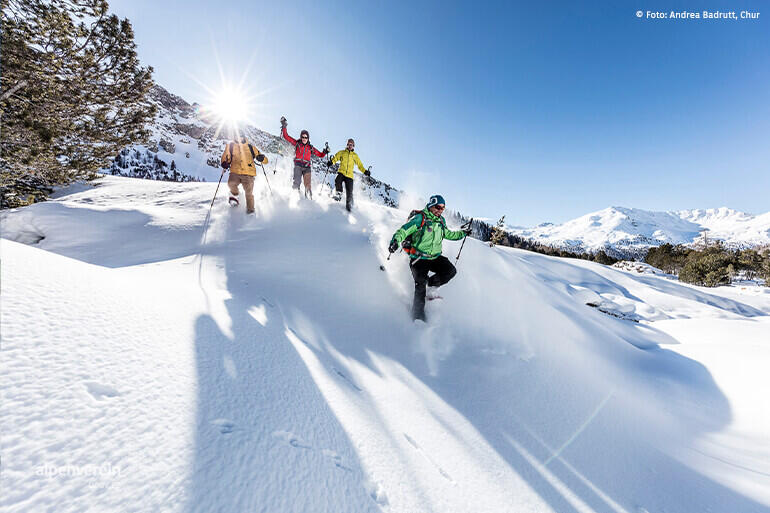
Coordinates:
[275,368]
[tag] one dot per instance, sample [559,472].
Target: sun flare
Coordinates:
[230,105]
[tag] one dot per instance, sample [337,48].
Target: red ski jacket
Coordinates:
[302,152]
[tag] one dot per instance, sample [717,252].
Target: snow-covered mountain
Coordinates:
[275,368]
[736,229]
[629,232]
[189,141]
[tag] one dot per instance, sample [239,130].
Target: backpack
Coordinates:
[411,240]
[251,148]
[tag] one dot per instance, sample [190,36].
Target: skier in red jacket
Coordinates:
[303,153]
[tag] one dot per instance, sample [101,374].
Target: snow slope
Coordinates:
[629,232]
[274,368]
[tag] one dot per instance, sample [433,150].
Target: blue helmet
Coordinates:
[434,200]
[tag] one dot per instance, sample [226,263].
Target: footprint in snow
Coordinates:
[376,492]
[291,439]
[99,391]
[336,459]
[225,426]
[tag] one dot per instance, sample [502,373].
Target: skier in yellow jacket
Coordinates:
[239,157]
[348,160]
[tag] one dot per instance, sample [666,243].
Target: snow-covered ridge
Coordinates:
[629,232]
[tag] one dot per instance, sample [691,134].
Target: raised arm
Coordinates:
[287,136]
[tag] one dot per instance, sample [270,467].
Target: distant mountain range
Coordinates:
[630,232]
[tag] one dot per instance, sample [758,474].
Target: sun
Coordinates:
[230,105]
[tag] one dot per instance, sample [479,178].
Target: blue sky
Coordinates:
[542,111]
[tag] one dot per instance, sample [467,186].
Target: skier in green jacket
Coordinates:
[428,229]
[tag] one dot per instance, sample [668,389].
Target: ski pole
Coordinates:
[266,180]
[324,182]
[327,150]
[208,216]
[217,190]
[461,249]
[463,244]
[382,266]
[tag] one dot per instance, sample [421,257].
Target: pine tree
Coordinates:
[602,257]
[750,262]
[710,267]
[74,93]
[498,232]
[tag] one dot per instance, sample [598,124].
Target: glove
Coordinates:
[329,163]
[467,231]
[283,122]
[368,173]
[260,158]
[225,165]
[393,246]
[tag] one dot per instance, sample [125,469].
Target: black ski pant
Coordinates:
[443,272]
[348,189]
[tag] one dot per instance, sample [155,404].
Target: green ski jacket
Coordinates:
[426,240]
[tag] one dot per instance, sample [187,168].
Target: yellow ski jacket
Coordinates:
[348,161]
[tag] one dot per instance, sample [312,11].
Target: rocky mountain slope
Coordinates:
[187,143]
